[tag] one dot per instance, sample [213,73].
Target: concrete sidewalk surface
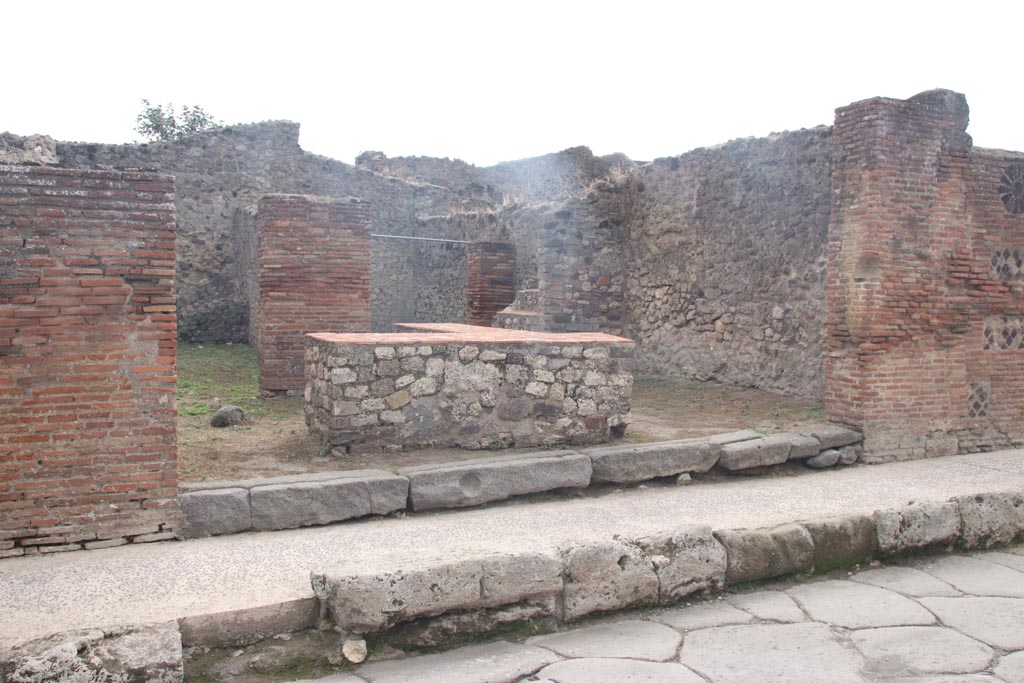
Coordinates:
[166,581]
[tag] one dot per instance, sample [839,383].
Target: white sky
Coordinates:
[487,81]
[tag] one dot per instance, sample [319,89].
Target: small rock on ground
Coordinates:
[230,416]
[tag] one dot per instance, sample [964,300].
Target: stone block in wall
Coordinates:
[756,554]
[606,576]
[215,512]
[917,526]
[474,482]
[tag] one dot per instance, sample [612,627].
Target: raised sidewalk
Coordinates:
[166,581]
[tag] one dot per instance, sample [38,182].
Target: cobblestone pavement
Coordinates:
[946,619]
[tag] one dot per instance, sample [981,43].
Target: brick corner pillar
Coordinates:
[88,351]
[313,260]
[896,323]
[490,280]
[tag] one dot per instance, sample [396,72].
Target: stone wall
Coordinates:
[218,172]
[87,359]
[725,251]
[467,389]
[926,288]
[490,280]
[313,275]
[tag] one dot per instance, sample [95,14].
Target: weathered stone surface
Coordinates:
[917,526]
[769,606]
[824,459]
[606,576]
[30,149]
[230,416]
[906,580]
[363,603]
[704,615]
[473,482]
[628,464]
[354,650]
[288,506]
[849,454]
[686,560]
[771,450]
[835,436]
[803,446]
[438,632]
[916,650]
[1010,667]
[765,553]
[119,654]
[1011,560]
[626,639]
[214,512]
[994,621]
[842,541]
[616,671]
[388,492]
[494,662]
[854,605]
[246,626]
[977,577]
[778,653]
[991,518]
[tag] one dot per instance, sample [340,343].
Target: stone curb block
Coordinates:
[990,518]
[246,626]
[843,541]
[686,561]
[836,436]
[216,511]
[602,577]
[474,482]
[756,554]
[631,464]
[917,526]
[770,450]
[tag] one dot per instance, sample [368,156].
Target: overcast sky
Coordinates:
[487,81]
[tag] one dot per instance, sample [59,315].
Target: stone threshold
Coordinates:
[290,502]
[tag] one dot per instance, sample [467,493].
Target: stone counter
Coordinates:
[466,386]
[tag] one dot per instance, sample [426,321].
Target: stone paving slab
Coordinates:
[974,576]
[622,639]
[769,606]
[498,662]
[916,650]
[854,605]
[160,582]
[998,622]
[616,671]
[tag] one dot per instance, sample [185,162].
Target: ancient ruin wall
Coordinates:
[490,280]
[313,276]
[87,359]
[217,172]
[725,251]
[926,290]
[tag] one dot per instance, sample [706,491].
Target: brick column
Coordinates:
[490,280]
[87,359]
[314,276]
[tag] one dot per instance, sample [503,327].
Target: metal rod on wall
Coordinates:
[424,239]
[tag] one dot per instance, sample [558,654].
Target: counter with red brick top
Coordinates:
[87,359]
[923,297]
[313,257]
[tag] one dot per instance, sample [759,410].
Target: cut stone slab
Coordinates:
[600,577]
[624,639]
[977,577]
[215,512]
[474,482]
[629,464]
[778,653]
[991,518]
[917,526]
[802,446]
[853,605]
[704,615]
[906,580]
[119,654]
[916,650]
[769,606]
[766,553]
[616,671]
[364,603]
[842,541]
[246,626]
[499,662]
[995,621]
[686,561]
[1010,667]
[835,436]
[289,506]
[1006,559]
[770,450]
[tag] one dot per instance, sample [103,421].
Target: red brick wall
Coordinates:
[87,359]
[314,276]
[916,220]
[490,280]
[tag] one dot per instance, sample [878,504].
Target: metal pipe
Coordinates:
[424,239]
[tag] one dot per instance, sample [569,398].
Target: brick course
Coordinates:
[314,276]
[490,280]
[87,358]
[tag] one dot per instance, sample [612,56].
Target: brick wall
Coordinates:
[87,359]
[314,276]
[919,353]
[490,280]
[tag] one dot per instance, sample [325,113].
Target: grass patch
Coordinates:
[228,372]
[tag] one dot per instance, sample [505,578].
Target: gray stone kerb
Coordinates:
[289,502]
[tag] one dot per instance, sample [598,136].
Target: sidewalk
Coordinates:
[165,581]
[953,619]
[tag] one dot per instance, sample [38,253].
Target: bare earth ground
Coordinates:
[277,442]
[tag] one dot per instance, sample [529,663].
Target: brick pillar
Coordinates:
[898,309]
[490,280]
[87,359]
[314,276]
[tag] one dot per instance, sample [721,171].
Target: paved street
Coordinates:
[947,619]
